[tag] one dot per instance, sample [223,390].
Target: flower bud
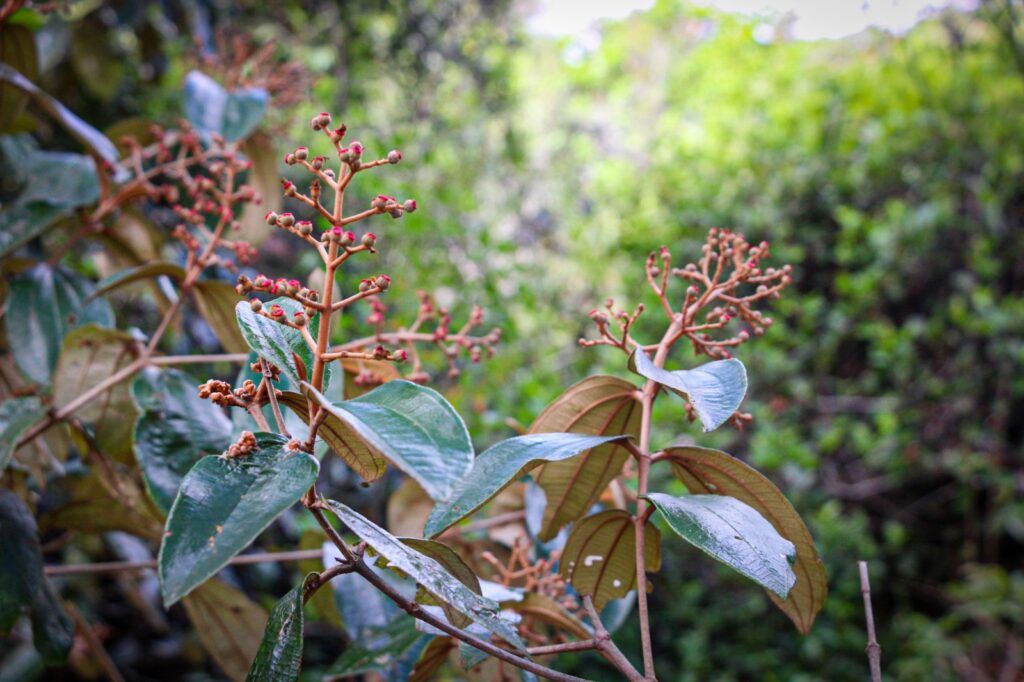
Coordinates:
[357,149]
[256,305]
[289,159]
[383,282]
[304,227]
[380,353]
[277,311]
[292,287]
[271,218]
[299,318]
[364,285]
[394,156]
[347,239]
[409,206]
[302,153]
[323,120]
[318,162]
[261,282]
[286,219]
[379,201]
[400,356]
[369,239]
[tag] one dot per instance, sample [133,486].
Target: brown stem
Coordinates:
[198,359]
[268,376]
[257,415]
[873,648]
[120,566]
[606,646]
[582,645]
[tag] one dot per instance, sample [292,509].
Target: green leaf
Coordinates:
[280,654]
[429,574]
[599,558]
[56,183]
[21,571]
[411,426]
[217,301]
[712,472]
[715,389]
[43,306]
[91,138]
[141,272]
[501,465]
[90,355]
[229,624]
[734,533]
[342,439]
[214,110]
[392,649]
[453,563]
[17,415]
[174,430]
[598,406]
[53,631]
[278,344]
[223,504]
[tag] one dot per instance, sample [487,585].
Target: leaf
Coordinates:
[91,354]
[21,571]
[280,654]
[706,471]
[56,183]
[223,504]
[734,533]
[278,344]
[408,508]
[91,508]
[217,301]
[501,465]
[598,405]
[715,389]
[18,49]
[392,649]
[363,607]
[141,272]
[174,430]
[214,110]
[411,426]
[53,631]
[17,415]
[341,439]
[453,563]
[433,657]
[428,573]
[599,558]
[265,179]
[380,371]
[229,625]
[547,610]
[44,305]
[92,139]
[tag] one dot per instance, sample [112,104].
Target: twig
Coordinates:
[873,648]
[268,376]
[197,359]
[606,646]
[581,645]
[94,643]
[118,566]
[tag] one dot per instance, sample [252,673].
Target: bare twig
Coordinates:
[606,646]
[873,648]
[93,642]
[268,376]
[119,566]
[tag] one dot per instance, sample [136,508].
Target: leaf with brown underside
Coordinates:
[599,557]
[408,508]
[598,405]
[712,472]
[342,439]
[216,302]
[229,624]
[382,372]
[547,610]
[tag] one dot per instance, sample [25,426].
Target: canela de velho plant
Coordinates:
[590,452]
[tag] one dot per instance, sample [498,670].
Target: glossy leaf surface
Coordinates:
[502,464]
[429,574]
[223,504]
[453,564]
[715,389]
[599,558]
[174,430]
[53,631]
[21,571]
[734,533]
[391,650]
[137,274]
[598,405]
[712,472]
[278,344]
[411,426]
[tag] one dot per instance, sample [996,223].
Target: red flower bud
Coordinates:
[289,159]
[394,156]
[301,153]
[304,227]
[383,282]
[356,148]
[369,239]
[409,206]
[400,356]
[271,218]
[286,219]
[347,239]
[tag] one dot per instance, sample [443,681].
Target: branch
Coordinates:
[873,648]
[120,566]
[268,376]
[607,647]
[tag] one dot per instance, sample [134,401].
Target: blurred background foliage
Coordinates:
[889,170]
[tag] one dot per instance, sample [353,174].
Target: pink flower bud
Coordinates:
[383,282]
[256,305]
[289,159]
[286,219]
[271,218]
[400,356]
[409,206]
[356,148]
[348,239]
[302,153]
[304,227]
[394,156]
[369,239]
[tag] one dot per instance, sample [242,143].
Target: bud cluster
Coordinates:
[245,445]
[220,393]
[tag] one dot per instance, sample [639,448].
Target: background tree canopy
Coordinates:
[889,170]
